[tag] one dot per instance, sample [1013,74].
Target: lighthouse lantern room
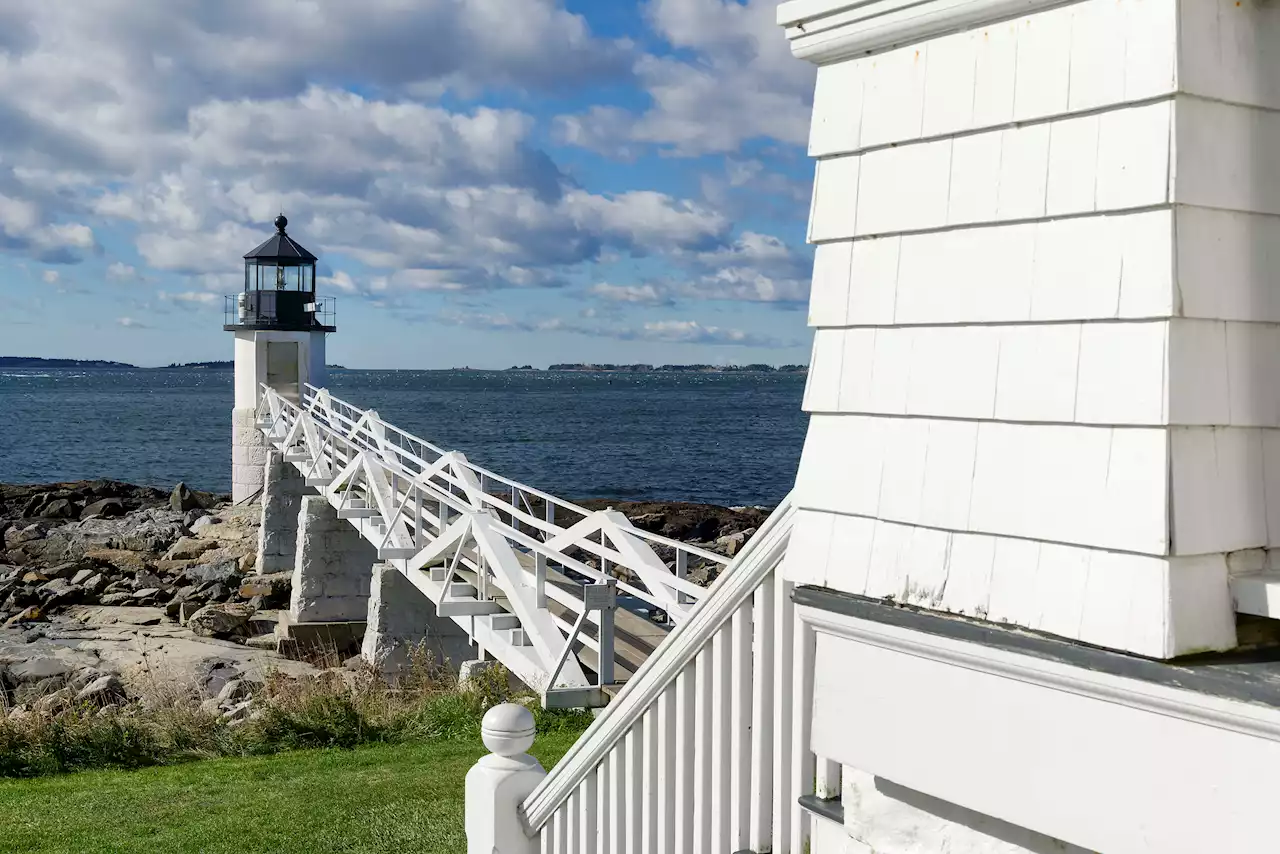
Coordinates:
[280,326]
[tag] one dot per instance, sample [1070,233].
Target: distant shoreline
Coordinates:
[27,363]
[34,363]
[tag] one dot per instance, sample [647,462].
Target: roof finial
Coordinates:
[281,222]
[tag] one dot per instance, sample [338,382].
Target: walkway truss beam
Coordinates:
[525,588]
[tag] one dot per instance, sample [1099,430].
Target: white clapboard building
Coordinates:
[1022,597]
[1043,457]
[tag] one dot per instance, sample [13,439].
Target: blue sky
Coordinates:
[487,182]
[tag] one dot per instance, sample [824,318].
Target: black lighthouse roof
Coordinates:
[279,290]
[280,249]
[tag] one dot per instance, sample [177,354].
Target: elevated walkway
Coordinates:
[571,601]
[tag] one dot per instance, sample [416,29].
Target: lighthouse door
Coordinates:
[282,368]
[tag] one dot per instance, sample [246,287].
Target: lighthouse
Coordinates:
[280,325]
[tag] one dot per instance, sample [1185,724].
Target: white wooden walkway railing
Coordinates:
[706,750]
[492,553]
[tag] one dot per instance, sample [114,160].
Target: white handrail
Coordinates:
[735,586]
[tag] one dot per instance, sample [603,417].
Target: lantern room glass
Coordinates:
[273,276]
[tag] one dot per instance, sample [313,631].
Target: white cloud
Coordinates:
[130,323]
[340,281]
[50,277]
[193,128]
[693,332]
[190,298]
[648,293]
[199,124]
[748,284]
[118,271]
[742,84]
[662,331]
[27,227]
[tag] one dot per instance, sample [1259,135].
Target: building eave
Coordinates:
[825,31]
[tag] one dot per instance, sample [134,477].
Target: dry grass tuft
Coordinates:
[337,707]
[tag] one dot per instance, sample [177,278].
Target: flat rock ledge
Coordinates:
[109,591]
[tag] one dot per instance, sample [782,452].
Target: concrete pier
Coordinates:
[400,618]
[332,569]
[282,493]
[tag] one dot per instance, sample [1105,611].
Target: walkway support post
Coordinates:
[282,493]
[499,783]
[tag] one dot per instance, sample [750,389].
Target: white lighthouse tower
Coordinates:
[280,326]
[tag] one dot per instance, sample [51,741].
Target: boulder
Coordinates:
[234,691]
[193,516]
[82,576]
[731,544]
[83,677]
[59,591]
[62,570]
[187,608]
[120,560]
[189,548]
[34,504]
[146,593]
[101,691]
[238,712]
[121,598]
[139,531]
[221,572]
[217,592]
[272,589]
[146,579]
[202,523]
[36,669]
[221,620]
[183,499]
[103,508]
[214,673]
[182,594]
[16,536]
[30,614]
[17,557]
[60,508]
[53,702]
[94,584]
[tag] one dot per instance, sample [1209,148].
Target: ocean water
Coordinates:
[718,438]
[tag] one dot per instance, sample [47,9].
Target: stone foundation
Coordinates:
[248,454]
[332,567]
[282,493]
[400,617]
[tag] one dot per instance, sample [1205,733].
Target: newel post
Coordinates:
[499,782]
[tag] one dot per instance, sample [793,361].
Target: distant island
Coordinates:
[31,362]
[196,366]
[670,369]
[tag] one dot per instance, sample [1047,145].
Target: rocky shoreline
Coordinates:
[105,585]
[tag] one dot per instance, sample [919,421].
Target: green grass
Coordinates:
[388,797]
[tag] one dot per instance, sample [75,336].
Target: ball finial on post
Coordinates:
[508,729]
[499,783]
